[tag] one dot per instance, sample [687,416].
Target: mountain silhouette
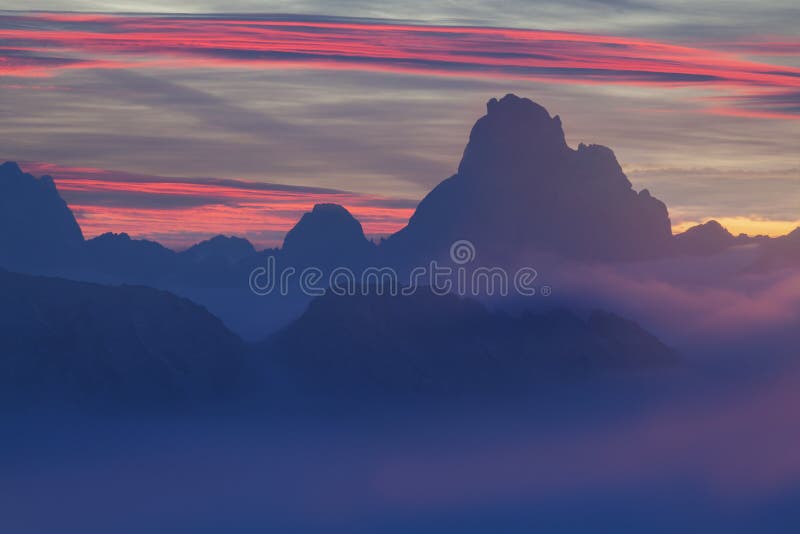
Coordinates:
[221,261]
[779,253]
[704,239]
[520,189]
[425,343]
[118,257]
[93,343]
[326,237]
[710,238]
[219,250]
[38,232]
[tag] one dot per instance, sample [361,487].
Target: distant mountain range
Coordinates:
[780,253]
[112,347]
[520,190]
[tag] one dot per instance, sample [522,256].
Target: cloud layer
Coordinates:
[40,45]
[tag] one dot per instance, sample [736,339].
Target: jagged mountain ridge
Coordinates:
[520,189]
[134,346]
[37,229]
[432,344]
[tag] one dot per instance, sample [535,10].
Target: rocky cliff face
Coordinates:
[520,189]
[37,230]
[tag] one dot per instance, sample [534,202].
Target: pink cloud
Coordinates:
[48,43]
[178,212]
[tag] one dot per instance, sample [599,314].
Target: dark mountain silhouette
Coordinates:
[521,189]
[328,236]
[779,253]
[370,344]
[704,239]
[118,257]
[217,262]
[710,238]
[219,250]
[37,230]
[130,344]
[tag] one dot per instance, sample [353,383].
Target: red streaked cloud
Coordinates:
[178,212]
[44,44]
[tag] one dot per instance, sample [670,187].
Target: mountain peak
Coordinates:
[37,227]
[220,248]
[514,132]
[11,171]
[328,233]
[520,189]
[715,227]
[10,168]
[112,236]
[327,209]
[704,239]
[323,220]
[512,103]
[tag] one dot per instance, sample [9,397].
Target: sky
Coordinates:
[179,120]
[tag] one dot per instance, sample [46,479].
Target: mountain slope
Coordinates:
[90,342]
[444,344]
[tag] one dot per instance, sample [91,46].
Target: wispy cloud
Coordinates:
[44,44]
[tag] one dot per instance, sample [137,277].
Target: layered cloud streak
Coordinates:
[44,44]
[154,207]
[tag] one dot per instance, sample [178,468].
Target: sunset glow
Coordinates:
[155,207]
[43,44]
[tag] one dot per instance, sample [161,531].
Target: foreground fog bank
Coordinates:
[666,450]
[715,304]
